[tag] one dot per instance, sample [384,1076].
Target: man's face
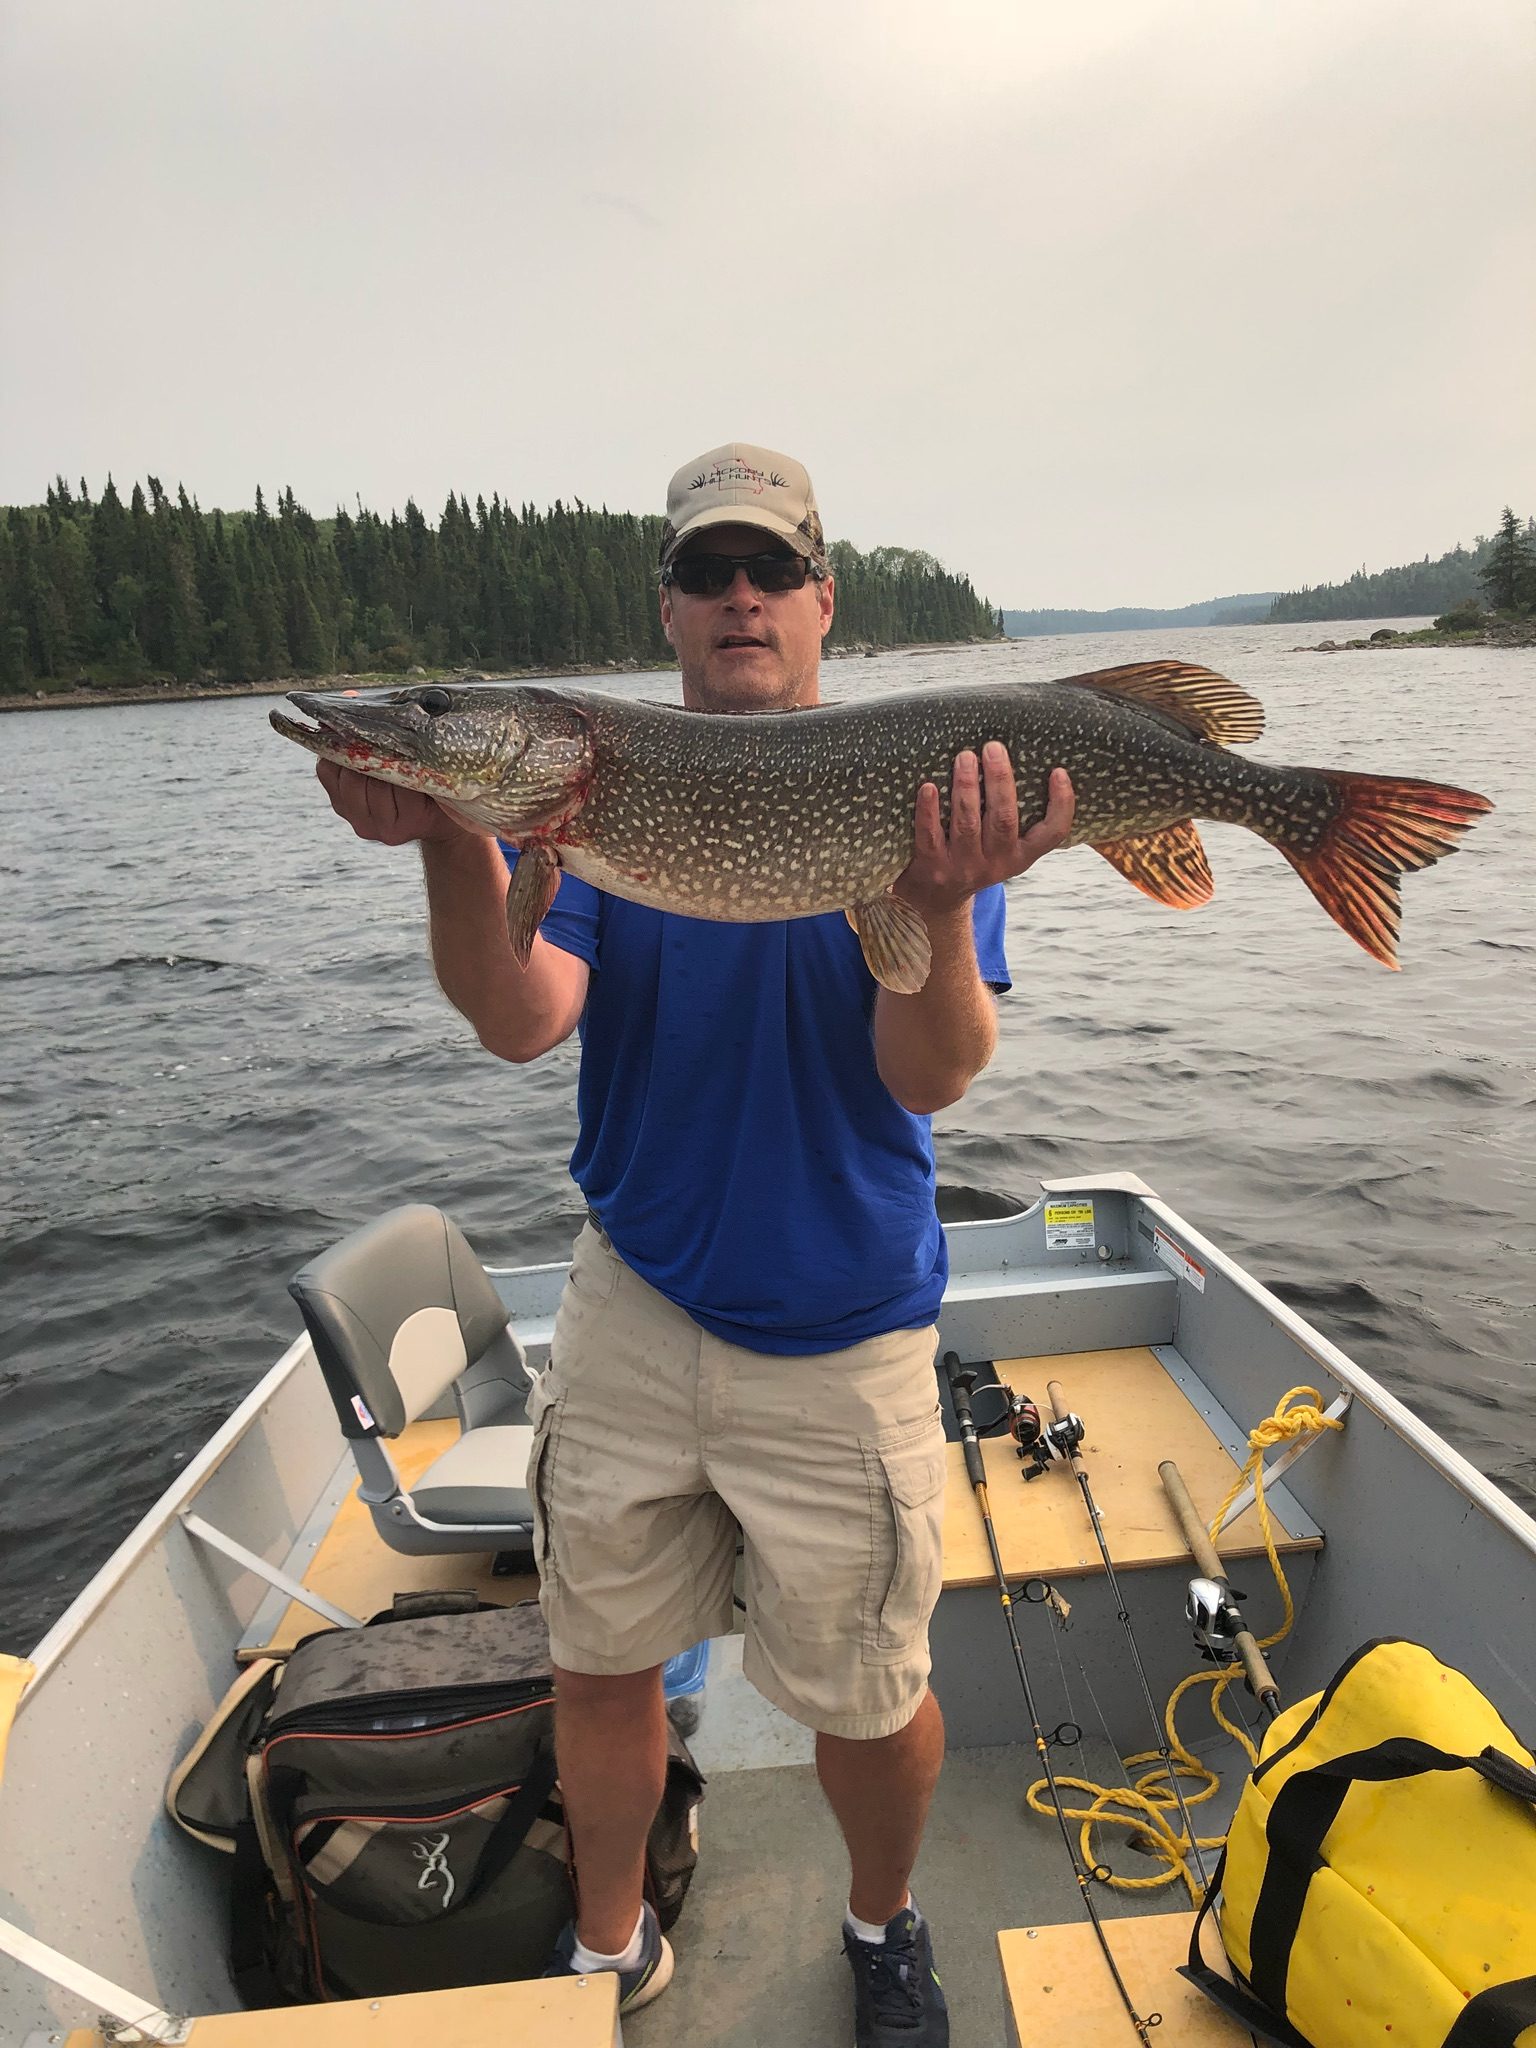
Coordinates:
[747,650]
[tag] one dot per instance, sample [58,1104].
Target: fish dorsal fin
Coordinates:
[1169,865]
[1205,703]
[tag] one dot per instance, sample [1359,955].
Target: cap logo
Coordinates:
[739,472]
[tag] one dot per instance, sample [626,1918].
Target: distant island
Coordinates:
[1498,570]
[1246,610]
[102,597]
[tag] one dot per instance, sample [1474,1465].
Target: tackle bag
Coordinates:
[388,1794]
[1379,1880]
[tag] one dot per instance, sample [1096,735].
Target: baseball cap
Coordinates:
[741,485]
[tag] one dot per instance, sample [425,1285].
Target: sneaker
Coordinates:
[637,1987]
[897,1999]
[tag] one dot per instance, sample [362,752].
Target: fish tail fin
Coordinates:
[1384,826]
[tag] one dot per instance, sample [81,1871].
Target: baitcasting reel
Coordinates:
[1212,1606]
[1042,1444]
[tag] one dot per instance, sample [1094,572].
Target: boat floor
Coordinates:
[759,1962]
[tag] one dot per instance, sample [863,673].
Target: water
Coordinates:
[225,1049]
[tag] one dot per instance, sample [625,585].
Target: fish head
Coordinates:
[505,760]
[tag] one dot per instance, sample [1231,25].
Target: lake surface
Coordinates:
[224,1049]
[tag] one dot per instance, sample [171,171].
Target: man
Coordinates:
[747,1336]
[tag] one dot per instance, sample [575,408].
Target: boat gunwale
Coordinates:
[158,1517]
[1476,1486]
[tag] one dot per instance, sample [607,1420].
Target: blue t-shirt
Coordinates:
[736,1141]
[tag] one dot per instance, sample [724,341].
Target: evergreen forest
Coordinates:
[156,589]
[1422,589]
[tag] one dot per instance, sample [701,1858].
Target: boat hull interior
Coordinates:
[1164,1346]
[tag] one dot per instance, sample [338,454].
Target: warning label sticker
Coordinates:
[1178,1259]
[1069,1226]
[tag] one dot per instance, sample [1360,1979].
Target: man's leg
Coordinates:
[611,1746]
[880,1790]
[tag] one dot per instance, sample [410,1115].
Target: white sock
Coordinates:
[867,1931]
[588,1963]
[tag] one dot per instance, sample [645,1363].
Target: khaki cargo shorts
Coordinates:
[653,1441]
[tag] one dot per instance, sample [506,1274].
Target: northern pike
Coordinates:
[754,816]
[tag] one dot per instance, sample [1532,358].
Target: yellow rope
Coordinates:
[1144,1805]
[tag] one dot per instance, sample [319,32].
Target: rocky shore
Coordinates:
[1514,633]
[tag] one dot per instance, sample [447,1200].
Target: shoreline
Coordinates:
[83,699]
[1494,636]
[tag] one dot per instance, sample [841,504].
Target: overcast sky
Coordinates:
[1135,302]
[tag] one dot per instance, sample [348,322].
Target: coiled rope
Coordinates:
[1143,1804]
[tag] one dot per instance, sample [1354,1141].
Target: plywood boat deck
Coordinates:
[565,2013]
[1135,1415]
[1059,1990]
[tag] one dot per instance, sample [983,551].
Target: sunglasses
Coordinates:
[712,575]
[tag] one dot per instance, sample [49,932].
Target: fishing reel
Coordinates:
[1044,1444]
[1212,1606]
[1040,1444]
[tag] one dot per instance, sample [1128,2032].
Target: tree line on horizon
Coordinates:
[1499,569]
[156,588]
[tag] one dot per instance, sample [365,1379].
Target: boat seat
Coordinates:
[401,1314]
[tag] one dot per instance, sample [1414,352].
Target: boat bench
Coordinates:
[1140,1404]
[565,2012]
[1058,1993]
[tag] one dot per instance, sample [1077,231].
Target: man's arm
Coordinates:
[929,1047]
[518,1012]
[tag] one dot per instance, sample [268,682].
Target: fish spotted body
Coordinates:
[749,817]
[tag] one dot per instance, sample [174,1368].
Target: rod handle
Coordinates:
[1198,1542]
[960,1385]
[1055,1393]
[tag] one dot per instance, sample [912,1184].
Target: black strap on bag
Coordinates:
[1233,2000]
[1496,2018]
[1305,1809]
[511,1831]
[250,1911]
[429,1602]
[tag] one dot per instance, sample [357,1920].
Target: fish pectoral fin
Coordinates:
[1168,865]
[1206,704]
[534,882]
[897,949]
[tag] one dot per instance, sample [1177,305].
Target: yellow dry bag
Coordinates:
[1379,1880]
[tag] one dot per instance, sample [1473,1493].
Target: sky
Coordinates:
[1135,303]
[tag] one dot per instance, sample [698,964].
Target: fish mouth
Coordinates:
[373,736]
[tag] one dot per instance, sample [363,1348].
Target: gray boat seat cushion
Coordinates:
[396,1313]
[479,1479]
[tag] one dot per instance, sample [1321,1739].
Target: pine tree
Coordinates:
[1509,574]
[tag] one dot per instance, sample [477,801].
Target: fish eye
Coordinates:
[434,701]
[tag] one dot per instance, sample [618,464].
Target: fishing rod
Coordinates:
[1062,1440]
[1212,1605]
[961,1381]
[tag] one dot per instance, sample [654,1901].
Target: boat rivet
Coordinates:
[1032,1934]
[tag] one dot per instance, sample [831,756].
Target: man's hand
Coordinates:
[945,873]
[383,812]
